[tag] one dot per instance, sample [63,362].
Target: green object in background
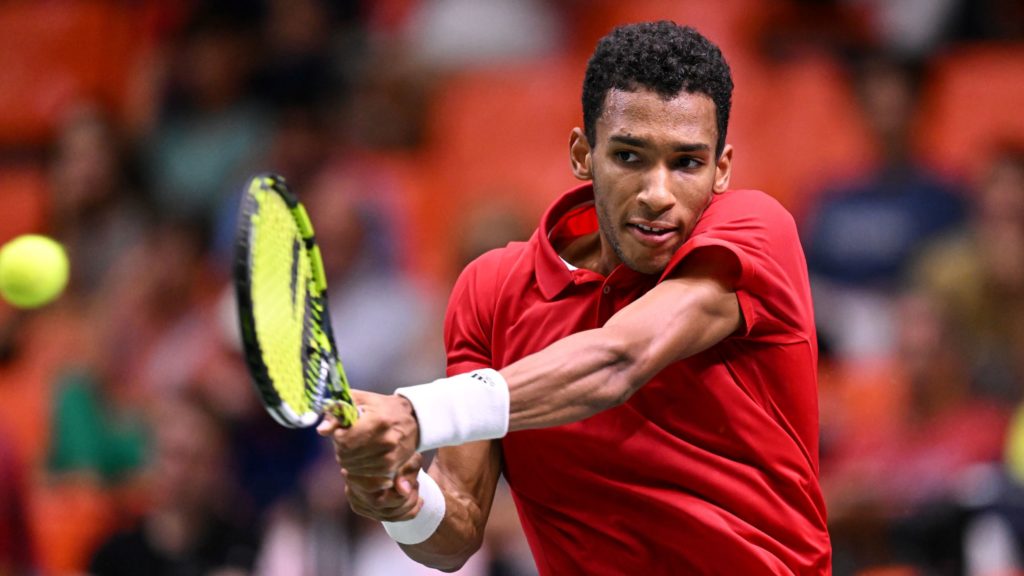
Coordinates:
[88,435]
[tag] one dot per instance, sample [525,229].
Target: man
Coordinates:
[647,358]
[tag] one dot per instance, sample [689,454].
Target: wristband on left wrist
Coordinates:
[460,409]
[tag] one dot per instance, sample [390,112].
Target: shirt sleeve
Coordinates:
[761,238]
[469,319]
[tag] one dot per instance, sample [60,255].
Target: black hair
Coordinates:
[660,56]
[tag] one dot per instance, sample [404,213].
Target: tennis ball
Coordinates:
[33,271]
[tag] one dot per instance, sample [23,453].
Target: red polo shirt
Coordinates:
[712,466]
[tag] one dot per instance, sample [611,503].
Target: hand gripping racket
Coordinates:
[282,307]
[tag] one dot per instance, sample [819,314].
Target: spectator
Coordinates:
[864,233]
[977,274]
[893,481]
[367,289]
[95,195]
[211,127]
[193,527]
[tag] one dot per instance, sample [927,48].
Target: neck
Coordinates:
[588,252]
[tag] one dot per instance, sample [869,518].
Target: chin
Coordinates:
[648,267]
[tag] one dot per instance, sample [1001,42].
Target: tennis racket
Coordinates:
[282,308]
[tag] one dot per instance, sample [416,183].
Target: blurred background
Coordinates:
[422,133]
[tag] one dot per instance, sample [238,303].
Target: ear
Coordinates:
[723,170]
[580,155]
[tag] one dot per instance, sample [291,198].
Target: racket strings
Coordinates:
[280,284]
[283,309]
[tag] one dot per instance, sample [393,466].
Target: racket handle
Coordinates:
[345,413]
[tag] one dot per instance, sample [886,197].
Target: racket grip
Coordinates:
[345,413]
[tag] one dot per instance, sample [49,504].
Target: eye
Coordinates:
[689,163]
[626,157]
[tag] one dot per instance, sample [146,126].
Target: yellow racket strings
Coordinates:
[280,278]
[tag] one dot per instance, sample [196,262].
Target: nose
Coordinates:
[656,194]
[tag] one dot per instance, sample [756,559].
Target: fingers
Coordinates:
[401,516]
[390,498]
[360,397]
[407,479]
[377,463]
[368,484]
[330,421]
[328,425]
[387,505]
[407,511]
[369,448]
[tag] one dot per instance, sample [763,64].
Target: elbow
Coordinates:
[462,556]
[451,568]
[451,554]
[620,388]
[625,372]
[453,561]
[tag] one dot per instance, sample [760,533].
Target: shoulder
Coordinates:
[746,209]
[499,258]
[750,201]
[480,282]
[493,266]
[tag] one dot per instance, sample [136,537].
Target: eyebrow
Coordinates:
[641,143]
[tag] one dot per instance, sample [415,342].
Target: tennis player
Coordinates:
[642,370]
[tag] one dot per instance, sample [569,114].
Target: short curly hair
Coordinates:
[660,56]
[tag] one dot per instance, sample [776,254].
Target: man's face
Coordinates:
[654,171]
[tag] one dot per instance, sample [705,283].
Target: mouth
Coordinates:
[653,230]
[652,234]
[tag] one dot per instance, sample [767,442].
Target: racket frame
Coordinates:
[325,383]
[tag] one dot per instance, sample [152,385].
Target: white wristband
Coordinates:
[460,409]
[426,521]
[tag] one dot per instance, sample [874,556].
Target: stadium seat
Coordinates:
[494,135]
[53,53]
[973,106]
[24,200]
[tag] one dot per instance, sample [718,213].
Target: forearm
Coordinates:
[468,477]
[566,382]
[457,537]
[572,379]
[594,370]
[581,374]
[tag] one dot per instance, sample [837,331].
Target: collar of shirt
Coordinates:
[571,216]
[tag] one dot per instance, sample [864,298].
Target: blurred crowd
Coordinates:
[422,133]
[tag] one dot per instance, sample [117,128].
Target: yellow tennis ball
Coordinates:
[33,271]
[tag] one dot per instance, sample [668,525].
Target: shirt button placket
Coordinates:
[606,305]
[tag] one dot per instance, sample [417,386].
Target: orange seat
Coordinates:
[796,127]
[974,105]
[496,135]
[68,520]
[53,53]
[24,199]
[728,23]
